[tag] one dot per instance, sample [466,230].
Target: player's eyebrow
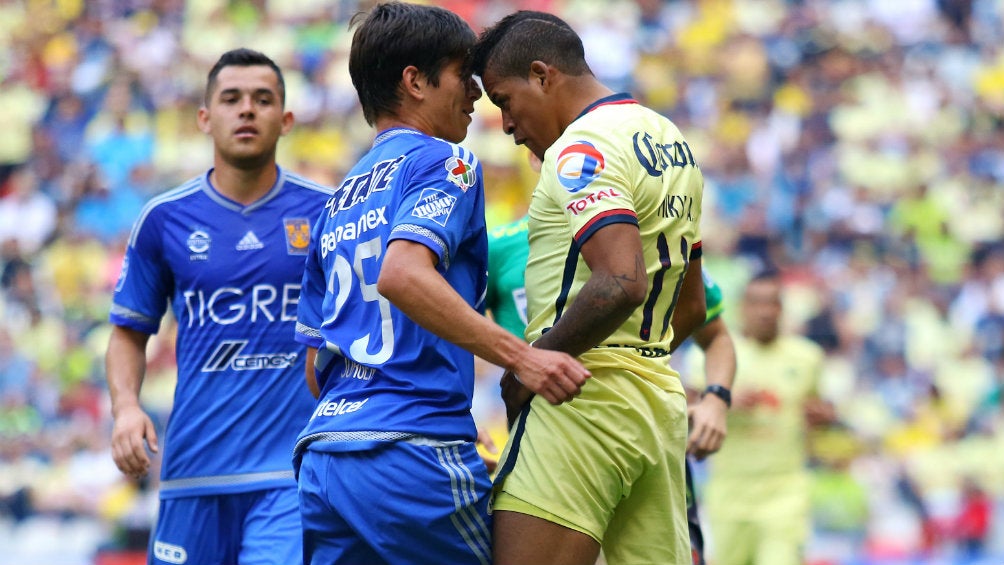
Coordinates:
[255,92]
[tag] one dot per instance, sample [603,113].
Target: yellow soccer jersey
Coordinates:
[760,472]
[618,162]
[769,438]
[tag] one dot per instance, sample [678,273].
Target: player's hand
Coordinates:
[132,433]
[556,376]
[489,453]
[707,426]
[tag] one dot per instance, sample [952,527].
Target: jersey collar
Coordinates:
[391,132]
[619,98]
[207,186]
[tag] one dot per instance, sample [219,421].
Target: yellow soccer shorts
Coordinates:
[610,464]
[758,520]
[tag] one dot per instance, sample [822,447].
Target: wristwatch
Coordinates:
[721,392]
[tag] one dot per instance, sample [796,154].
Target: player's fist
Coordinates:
[132,433]
[556,376]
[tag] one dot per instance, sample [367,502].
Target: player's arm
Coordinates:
[691,306]
[133,431]
[409,280]
[617,285]
[308,371]
[818,411]
[708,415]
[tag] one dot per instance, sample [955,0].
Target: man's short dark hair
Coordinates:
[508,47]
[243,57]
[395,35]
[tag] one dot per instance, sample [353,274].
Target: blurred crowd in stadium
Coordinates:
[856,144]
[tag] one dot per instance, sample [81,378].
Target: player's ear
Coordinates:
[288,119]
[413,82]
[539,74]
[202,118]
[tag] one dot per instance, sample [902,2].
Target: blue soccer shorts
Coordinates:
[253,528]
[403,503]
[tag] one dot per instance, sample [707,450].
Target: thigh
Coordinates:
[272,529]
[521,537]
[565,463]
[650,526]
[780,542]
[194,529]
[735,542]
[327,537]
[413,503]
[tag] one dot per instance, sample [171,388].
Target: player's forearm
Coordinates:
[125,366]
[419,291]
[719,353]
[601,307]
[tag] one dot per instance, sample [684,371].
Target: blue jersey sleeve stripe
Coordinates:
[309,184]
[426,237]
[466,155]
[620,216]
[122,316]
[308,336]
[178,193]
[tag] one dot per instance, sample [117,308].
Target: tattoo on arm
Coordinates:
[639,273]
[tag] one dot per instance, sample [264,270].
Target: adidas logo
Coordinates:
[249,241]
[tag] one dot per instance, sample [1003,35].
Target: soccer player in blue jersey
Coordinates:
[226,251]
[392,313]
[614,273]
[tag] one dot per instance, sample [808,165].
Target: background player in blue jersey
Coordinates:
[391,313]
[226,251]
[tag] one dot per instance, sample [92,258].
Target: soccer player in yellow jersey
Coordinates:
[757,495]
[614,272]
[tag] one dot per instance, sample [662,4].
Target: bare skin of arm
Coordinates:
[133,432]
[409,280]
[617,285]
[309,373]
[691,307]
[708,415]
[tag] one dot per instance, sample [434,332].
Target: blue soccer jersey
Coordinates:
[231,274]
[382,376]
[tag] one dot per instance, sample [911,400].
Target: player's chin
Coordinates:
[457,134]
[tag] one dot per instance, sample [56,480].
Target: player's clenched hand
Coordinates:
[707,426]
[132,433]
[554,375]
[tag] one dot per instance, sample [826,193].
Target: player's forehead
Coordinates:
[249,78]
[498,88]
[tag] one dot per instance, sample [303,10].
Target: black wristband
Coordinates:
[721,392]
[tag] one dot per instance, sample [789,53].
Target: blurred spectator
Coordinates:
[972,527]
[27,216]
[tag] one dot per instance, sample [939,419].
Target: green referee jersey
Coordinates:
[508,249]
